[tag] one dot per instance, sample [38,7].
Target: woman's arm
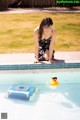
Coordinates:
[52,45]
[36,39]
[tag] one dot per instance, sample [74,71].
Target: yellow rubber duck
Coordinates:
[54,82]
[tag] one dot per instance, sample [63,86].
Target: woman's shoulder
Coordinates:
[36,29]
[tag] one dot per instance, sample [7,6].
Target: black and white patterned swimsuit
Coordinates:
[43,46]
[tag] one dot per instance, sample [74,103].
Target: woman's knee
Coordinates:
[46,57]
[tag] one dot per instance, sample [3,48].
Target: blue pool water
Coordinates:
[50,104]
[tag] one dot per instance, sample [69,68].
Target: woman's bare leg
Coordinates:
[46,55]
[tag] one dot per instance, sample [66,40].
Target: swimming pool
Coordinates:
[51,104]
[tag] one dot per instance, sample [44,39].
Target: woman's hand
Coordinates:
[36,60]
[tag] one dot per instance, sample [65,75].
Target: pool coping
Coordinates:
[39,66]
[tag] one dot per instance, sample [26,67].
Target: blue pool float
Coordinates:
[22,92]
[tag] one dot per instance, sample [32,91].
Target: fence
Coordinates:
[34,3]
[4,4]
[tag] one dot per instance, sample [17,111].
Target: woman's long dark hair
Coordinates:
[46,21]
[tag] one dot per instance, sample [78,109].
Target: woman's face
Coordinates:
[47,28]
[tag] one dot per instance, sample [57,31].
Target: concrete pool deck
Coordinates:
[28,58]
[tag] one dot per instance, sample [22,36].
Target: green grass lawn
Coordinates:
[16,31]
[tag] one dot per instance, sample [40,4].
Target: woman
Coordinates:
[44,36]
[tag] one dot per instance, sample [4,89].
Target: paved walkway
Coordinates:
[28,58]
[39,10]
